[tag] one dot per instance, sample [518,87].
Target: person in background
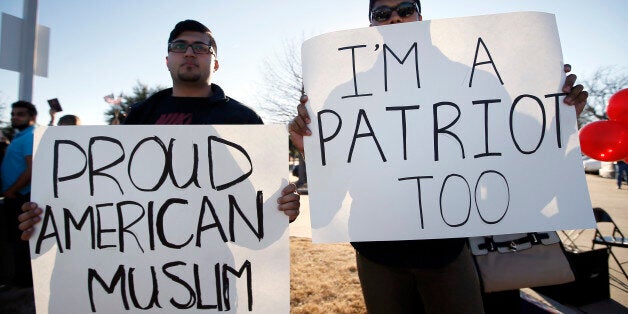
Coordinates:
[52,113]
[622,172]
[16,178]
[417,276]
[68,119]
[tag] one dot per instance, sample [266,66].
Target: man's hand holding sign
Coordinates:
[434,112]
[161,218]
[442,129]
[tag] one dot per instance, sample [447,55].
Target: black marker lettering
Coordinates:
[200,228]
[48,218]
[160,224]
[355,79]
[246,267]
[210,141]
[477,184]
[557,108]
[418,184]
[68,218]
[55,169]
[323,139]
[118,277]
[164,171]
[190,302]
[361,114]
[486,132]
[441,201]
[170,163]
[403,124]
[99,172]
[490,60]
[512,132]
[444,130]
[154,300]
[416,63]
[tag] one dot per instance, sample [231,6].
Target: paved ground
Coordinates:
[604,193]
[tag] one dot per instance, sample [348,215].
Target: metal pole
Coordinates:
[27,59]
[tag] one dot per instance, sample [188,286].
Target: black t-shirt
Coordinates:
[163,108]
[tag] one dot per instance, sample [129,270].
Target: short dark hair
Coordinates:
[27,105]
[371,2]
[193,26]
[68,119]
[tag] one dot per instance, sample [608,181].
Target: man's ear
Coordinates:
[216,65]
[420,17]
[166,61]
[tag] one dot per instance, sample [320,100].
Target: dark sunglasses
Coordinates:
[181,47]
[404,9]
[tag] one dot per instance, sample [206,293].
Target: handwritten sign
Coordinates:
[160,218]
[438,129]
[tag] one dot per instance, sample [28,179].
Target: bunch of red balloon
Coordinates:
[608,140]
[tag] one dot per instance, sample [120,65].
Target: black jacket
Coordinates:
[163,108]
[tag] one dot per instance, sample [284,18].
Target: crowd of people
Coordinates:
[420,276]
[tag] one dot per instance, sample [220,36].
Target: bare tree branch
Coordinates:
[283,84]
[280,92]
[605,82]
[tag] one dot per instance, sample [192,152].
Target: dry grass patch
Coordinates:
[323,278]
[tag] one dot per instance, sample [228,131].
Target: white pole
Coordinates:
[27,59]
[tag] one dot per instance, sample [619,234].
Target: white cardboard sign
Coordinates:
[439,129]
[161,218]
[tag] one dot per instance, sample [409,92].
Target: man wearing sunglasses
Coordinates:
[193,99]
[391,12]
[420,276]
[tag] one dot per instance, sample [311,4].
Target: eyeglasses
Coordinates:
[198,48]
[404,9]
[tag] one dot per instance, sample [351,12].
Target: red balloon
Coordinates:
[604,140]
[617,109]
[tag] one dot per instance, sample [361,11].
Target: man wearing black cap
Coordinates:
[418,276]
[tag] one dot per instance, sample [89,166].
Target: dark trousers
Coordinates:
[451,288]
[19,250]
[622,172]
[502,302]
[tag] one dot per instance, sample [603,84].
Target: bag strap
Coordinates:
[532,238]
